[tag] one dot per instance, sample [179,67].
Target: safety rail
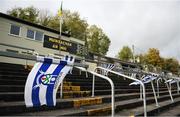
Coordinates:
[31,57]
[18,47]
[111,83]
[128,77]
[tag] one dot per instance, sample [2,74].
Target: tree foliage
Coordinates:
[171,64]
[28,14]
[153,57]
[73,23]
[97,41]
[125,54]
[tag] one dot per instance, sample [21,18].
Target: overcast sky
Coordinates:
[143,23]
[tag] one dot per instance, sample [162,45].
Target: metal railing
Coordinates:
[111,83]
[128,77]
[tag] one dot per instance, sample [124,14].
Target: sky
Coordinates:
[142,23]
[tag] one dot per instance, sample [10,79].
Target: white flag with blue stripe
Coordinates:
[145,80]
[43,81]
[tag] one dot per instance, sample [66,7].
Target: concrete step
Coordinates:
[152,109]
[95,109]
[18,107]
[20,88]
[171,111]
[19,96]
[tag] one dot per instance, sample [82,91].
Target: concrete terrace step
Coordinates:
[95,109]
[152,109]
[19,107]
[19,96]
[20,88]
[22,73]
[171,111]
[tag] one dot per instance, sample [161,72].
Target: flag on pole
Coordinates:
[44,79]
[60,11]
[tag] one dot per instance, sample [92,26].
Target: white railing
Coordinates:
[131,78]
[111,83]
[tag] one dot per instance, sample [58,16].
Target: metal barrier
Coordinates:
[111,83]
[170,94]
[128,77]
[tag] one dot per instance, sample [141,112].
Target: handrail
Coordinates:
[30,57]
[134,79]
[112,87]
[16,46]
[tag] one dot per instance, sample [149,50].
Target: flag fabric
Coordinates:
[43,81]
[107,66]
[60,11]
[145,80]
[171,81]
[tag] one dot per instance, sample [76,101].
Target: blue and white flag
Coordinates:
[43,81]
[145,80]
[171,81]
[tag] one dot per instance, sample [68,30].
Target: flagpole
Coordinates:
[60,28]
[60,31]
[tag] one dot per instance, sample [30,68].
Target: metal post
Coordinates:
[93,85]
[141,93]
[86,74]
[154,93]
[178,86]
[61,90]
[158,87]
[169,90]
[112,90]
[133,54]
[112,87]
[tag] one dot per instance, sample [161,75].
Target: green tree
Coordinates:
[125,53]
[28,14]
[44,17]
[73,23]
[171,64]
[97,41]
[153,57]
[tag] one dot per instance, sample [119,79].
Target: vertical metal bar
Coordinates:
[170,94]
[112,90]
[93,85]
[158,87]
[178,86]
[144,99]
[154,93]
[79,72]
[61,90]
[112,98]
[86,74]
[141,95]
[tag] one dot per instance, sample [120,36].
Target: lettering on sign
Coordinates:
[62,45]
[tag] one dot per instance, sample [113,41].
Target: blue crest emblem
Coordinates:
[45,79]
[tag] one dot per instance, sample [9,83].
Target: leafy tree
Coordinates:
[153,57]
[171,64]
[28,14]
[73,23]
[125,53]
[44,17]
[97,41]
